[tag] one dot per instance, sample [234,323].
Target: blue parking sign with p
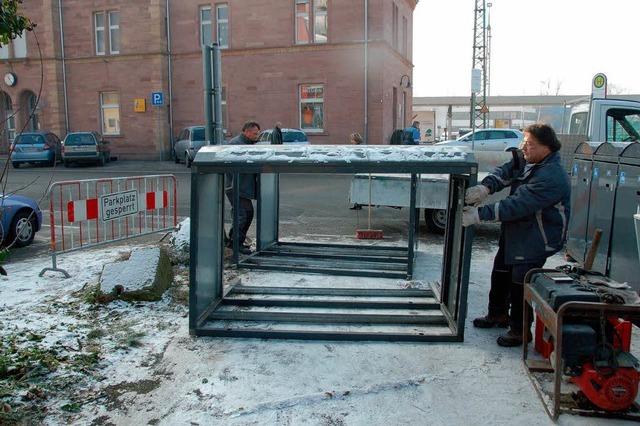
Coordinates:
[157,98]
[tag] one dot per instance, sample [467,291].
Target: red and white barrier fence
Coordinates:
[86,213]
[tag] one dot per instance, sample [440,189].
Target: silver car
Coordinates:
[488,140]
[289,136]
[85,147]
[188,142]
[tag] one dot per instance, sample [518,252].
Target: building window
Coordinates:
[303,25]
[311,28]
[10,118]
[405,36]
[320,22]
[402,116]
[110,111]
[4,51]
[114,33]
[100,37]
[312,107]
[395,108]
[205,25]
[28,102]
[394,25]
[222,25]
[20,46]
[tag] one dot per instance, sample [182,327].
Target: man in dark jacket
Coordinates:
[248,183]
[533,220]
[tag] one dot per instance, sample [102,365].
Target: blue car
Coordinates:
[20,218]
[36,148]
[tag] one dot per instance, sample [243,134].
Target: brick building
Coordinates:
[300,62]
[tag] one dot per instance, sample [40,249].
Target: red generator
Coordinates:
[595,344]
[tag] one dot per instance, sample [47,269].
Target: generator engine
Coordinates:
[595,351]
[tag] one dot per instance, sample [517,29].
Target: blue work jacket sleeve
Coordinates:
[527,199]
[499,178]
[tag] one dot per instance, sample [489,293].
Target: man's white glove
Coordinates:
[470,216]
[476,194]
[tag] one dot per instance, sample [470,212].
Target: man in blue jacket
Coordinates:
[412,134]
[533,221]
[248,183]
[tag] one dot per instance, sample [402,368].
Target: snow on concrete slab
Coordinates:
[134,274]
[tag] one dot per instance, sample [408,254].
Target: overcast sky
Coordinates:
[562,42]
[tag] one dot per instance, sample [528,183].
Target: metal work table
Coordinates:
[324,313]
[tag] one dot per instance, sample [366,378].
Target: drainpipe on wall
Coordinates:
[64,70]
[366,72]
[170,76]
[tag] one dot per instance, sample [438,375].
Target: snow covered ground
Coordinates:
[132,364]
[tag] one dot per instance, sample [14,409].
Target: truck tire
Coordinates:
[436,220]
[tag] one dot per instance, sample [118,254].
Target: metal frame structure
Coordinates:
[553,321]
[435,314]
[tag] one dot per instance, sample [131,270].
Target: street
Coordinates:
[309,204]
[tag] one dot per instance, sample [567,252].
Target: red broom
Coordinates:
[369,234]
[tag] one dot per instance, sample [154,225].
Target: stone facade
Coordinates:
[264,68]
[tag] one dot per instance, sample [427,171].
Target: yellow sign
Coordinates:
[140,105]
[599,86]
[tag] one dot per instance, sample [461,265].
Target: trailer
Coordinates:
[390,190]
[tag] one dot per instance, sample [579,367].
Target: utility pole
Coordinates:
[489,49]
[479,110]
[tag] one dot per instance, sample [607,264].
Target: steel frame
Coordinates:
[553,321]
[436,314]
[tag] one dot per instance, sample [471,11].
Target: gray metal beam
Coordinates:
[330,304]
[326,318]
[321,291]
[326,335]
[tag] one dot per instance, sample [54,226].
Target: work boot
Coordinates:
[490,321]
[512,338]
[244,249]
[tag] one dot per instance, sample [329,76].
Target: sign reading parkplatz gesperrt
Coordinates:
[119,204]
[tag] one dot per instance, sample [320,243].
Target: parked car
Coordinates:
[188,143]
[84,147]
[289,136]
[488,140]
[36,148]
[21,218]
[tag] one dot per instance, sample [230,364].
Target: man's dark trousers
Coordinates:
[245,217]
[507,288]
